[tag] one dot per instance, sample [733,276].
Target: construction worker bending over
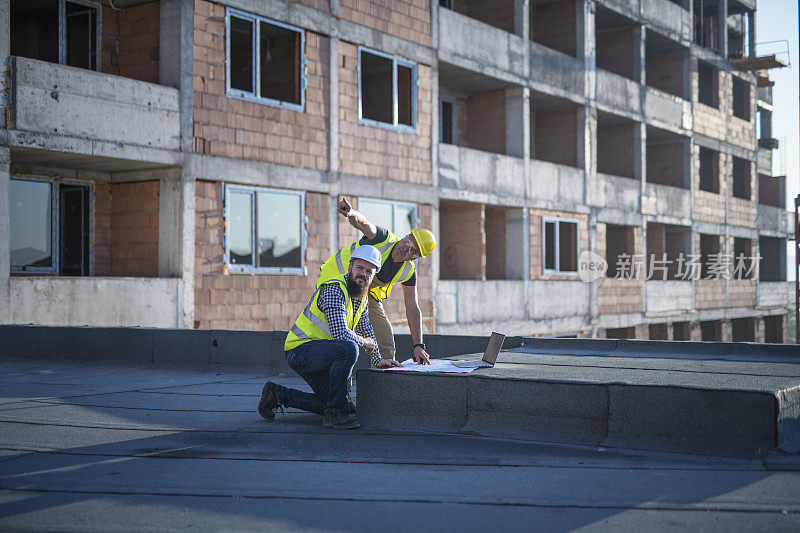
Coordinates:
[323,345]
[397,266]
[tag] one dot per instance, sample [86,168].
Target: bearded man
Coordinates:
[323,344]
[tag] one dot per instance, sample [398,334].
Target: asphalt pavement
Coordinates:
[87,447]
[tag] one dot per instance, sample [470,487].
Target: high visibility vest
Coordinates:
[312,324]
[337,265]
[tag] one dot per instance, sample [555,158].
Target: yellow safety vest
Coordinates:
[337,264]
[312,324]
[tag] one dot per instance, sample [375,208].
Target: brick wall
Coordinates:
[665,164]
[742,293]
[615,150]
[126,229]
[665,73]
[535,217]
[235,128]
[463,241]
[620,295]
[555,136]
[495,243]
[377,152]
[497,13]
[615,51]
[708,206]
[709,293]
[272,301]
[487,121]
[409,20]
[553,25]
[130,42]
[250,302]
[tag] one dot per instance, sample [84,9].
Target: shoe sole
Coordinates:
[266,414]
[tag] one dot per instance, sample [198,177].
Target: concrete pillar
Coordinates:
[727,331]
[333,115]
[758,328]
[334,7]
[751,33]
[522,19]
[517,255]
[722,27]
[587,116]
[170,228]
[639,153]
[5,233]
[517,122]
[639,66]
[187,251]
[176,60]
[695,334]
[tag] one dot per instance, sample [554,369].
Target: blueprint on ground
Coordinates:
[437,365]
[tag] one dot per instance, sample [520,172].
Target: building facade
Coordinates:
[177,163]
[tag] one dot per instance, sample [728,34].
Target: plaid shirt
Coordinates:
[331,302]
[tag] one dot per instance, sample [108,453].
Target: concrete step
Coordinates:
[694,405]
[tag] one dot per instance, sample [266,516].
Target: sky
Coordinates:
[777,20]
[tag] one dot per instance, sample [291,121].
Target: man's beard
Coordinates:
[355,290]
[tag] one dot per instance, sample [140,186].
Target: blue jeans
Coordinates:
[325,365]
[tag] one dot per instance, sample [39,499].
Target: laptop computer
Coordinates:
[489,355]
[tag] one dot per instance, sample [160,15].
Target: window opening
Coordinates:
[707,85]
[709,245]
[399,218]
[743,330]
[560,247]
[741,99]
[658,332]
[265,61]
[265,230]
[709,170]
[711,330]
[447,121]
[741,178]
[681,331]
[742,252]
[447,4]
[74,230]
[58,31]
[619,241]
[387,91]
[50,227]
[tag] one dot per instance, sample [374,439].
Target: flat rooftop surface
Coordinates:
[86,447]
[665,369]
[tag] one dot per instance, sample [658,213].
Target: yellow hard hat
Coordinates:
[425,240]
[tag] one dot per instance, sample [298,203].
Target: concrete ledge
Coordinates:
[261,351]
[736,405]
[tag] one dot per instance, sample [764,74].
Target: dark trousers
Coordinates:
[326,366]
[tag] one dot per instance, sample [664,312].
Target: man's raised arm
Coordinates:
[356,218]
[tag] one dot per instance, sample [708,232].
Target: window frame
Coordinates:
[395,126]
[453,122]
[301,270]
[62,31]
[394,204]
[55,224]
[255,96]
[557,272]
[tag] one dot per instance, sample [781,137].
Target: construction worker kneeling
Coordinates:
[397,266]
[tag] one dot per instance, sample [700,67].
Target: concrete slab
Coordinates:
[736,407]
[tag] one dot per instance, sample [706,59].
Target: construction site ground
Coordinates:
[100,447]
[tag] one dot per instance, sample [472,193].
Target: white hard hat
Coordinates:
[369,254]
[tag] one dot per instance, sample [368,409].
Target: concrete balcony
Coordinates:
[775,220]
[559,184]
[56,100]
[764,161]
[668,297]
[616,192]
[775,294]
[467,170]
[618,94]
[472,306]
[666,110]
[669,18]
[664,201]
[63,301]
[556,73]
[476,46]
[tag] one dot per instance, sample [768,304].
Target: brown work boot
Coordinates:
[336,419]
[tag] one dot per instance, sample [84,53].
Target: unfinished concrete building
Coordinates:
[176,163]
